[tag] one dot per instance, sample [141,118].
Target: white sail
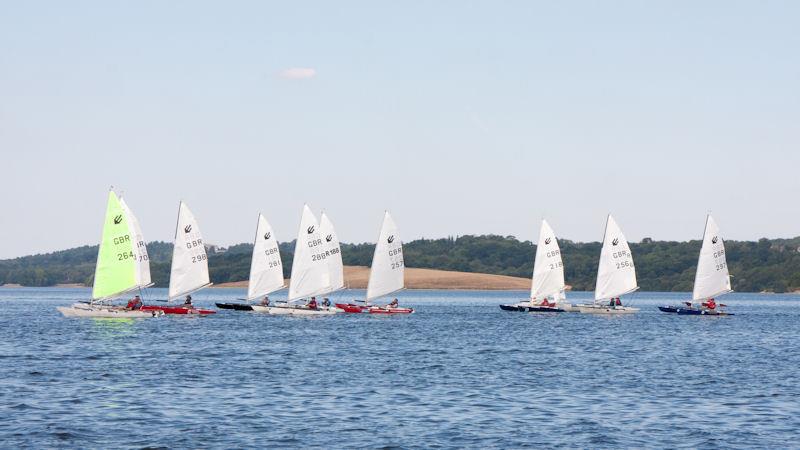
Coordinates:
[616,274]
[189,270]
[712,278]
[310,275]
[548,269]
[387,272]
[266,269]
[334,253]
[139,248]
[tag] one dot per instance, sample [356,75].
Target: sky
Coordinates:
[459,117]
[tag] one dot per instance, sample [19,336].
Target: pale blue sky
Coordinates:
[459,117]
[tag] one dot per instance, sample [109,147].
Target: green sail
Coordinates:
[116,264]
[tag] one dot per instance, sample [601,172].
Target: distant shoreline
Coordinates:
[356,277]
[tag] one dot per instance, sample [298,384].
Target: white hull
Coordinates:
[601,309]
[567,307]
[295,310]
[86,310]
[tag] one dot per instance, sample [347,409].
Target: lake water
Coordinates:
[458,373]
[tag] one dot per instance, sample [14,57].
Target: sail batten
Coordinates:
[310,272]
[388,267]
[712,278]
[266,268]
[616,274]
[548,268]
[189,271]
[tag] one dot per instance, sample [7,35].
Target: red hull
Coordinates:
[376,310]
[178,310]
[351,308]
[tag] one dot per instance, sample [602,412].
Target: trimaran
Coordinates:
[616,275]
[122,266]
[189,270]
[387,273]
[266,267]
[712,278]
[547,283]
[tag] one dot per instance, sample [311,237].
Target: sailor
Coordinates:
[265,301]
[188,301]
[134,303]
[545,303]
[710,304]
[611,303]
[312,304]
[393,304]
[619,302]
[326,302]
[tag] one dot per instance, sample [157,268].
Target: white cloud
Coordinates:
[298,73]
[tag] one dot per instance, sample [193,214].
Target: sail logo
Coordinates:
[390,239]
[187,228]
[328,238]
[310,229]
[615,241]
[118,219]
[547,241]
[714,239]
[267,235]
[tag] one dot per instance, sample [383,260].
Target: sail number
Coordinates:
[319,256]
[124,256]
[397,264]
[273,264]
[720,266]
[556,265]
[199,258]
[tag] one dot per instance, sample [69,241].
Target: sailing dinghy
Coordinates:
[266,268]
[189,271]
[616,275]
[712,278]
[310,271]
[547,284]
[387,273]
[122,266]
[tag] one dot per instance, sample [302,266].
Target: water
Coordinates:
[458,373]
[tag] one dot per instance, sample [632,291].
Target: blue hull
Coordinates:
[669,309]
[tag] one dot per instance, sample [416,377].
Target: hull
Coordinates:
[700,312]
[568,307]
[599,309]
[351,308]
[105,312]
[235,306]
[545,309]
[179,310]
[380,310]
[294,310]
[669,309]
[516,308]
[526,307]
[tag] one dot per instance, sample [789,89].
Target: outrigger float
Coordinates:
[711,280]
[122,266]
[189,270]
[386,275]
[547,282]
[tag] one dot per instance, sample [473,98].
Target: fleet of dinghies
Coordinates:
[123,267]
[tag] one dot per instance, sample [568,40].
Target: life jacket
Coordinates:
[312,304]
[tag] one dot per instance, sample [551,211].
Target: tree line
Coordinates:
[764,265]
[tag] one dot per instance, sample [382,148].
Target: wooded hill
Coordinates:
[765,265]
